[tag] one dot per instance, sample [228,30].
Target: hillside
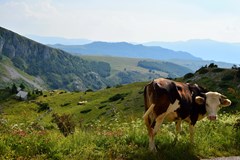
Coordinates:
[128,99]
[56,68]
[225,81]
[128,70]
[109,122]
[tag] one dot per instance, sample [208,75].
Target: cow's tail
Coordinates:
[150,109]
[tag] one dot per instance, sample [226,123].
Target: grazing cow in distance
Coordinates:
[177,101]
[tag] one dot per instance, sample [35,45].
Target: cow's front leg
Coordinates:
[191,131]
[178,124]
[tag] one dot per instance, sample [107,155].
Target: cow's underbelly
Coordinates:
[172,116]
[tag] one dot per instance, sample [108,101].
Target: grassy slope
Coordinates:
[112,129]
[121,63]
[98,102]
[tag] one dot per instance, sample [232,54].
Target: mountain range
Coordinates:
[91,66]
[124,49]
[205,48]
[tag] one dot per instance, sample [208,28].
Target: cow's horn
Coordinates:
[224,97]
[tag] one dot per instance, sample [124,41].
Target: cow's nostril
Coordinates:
[212,117]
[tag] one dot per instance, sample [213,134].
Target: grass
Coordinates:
[121,63]
[111,129]
[119,140]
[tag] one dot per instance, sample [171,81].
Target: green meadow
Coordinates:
[105,124]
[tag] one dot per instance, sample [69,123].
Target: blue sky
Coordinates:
[124,20]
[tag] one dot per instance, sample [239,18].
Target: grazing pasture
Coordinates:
[110,126]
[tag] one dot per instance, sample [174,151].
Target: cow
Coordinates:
[177,102]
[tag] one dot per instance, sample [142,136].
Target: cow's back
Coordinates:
[160,92]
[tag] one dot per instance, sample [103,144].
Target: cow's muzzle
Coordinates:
[212,118]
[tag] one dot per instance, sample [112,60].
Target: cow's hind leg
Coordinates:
[154,129]
[150,123]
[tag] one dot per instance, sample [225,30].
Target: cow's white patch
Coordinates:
[173,107]
[212,103]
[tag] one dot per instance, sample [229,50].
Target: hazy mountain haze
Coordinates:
[205,48]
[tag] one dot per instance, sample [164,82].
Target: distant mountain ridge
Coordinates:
[124,49]
[24,60]
[205,48]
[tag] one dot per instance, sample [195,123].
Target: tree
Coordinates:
[14,89]
[212,65]
[22,86]
[238,72]
[234,67]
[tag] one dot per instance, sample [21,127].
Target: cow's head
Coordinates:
[213,102]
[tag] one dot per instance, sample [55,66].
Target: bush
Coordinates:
[228,77]
[65,104]
[43,107]
[86,111]
[65,123]
[218,70]
[117,97]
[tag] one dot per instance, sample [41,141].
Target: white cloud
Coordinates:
[114,20]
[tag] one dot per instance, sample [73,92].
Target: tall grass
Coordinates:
[119,138]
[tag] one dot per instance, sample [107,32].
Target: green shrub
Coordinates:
[65,123]
[218,70]
[43,107]
[103,106]
[228,77]
[86,111]
[117,97]
[65,104]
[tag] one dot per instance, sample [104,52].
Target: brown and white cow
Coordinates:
[177,101]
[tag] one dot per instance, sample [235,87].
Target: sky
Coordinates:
[124,20]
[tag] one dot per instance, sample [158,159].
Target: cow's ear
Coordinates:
[199,100]
[225,102]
